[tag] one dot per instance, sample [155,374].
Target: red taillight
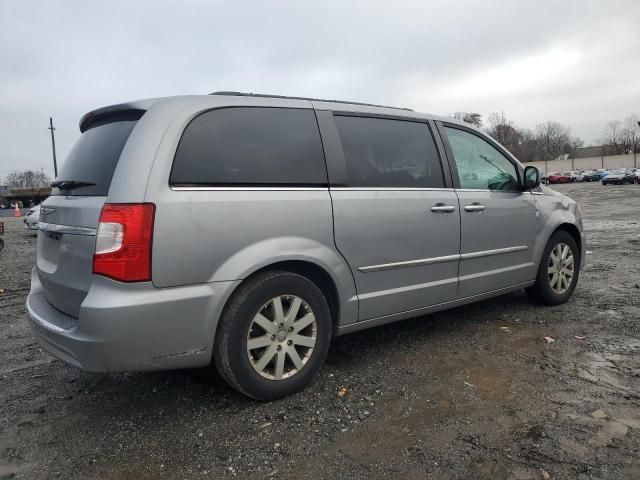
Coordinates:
[123,242]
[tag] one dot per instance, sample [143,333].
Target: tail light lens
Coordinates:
[123,242]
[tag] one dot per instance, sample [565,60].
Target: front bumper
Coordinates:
[131,327]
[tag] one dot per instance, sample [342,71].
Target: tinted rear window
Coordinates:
[94,158]
[389,153]
[250,146]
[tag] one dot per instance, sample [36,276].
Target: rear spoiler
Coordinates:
[115,113]
[132,110]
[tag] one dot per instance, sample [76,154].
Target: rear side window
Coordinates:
[250,146]
[94,158]
[389,153]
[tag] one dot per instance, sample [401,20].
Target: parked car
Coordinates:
[556,177]
[575,176]
[602,172]
[590,176]
[32,217]
[636,173]
[243,232]
[619,176]
[544,179]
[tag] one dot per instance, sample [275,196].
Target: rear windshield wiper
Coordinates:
[71,184]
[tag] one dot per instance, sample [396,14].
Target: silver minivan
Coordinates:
[242,232]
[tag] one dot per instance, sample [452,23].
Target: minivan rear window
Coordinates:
[94,157]
[251,146]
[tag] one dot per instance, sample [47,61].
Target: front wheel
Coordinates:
[273,335]
[558,270]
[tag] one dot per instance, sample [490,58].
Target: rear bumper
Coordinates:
[131,327]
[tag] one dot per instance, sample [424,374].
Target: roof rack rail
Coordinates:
[262,95]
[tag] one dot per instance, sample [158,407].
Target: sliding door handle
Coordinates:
[442,208]
[474,207]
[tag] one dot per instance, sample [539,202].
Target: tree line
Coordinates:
[27,179]
[623,136]
[550,139]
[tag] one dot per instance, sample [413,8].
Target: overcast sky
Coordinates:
[576,62]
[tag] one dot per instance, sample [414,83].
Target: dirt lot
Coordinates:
[475,392]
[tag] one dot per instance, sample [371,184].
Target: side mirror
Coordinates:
[531,178]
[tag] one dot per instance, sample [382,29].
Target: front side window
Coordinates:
[250,146]
[389,153]
[480,165]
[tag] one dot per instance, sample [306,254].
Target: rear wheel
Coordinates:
[558,271]
[273,336]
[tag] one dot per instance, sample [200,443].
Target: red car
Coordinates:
[556,177]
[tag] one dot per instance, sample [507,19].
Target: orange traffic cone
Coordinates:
[16,213]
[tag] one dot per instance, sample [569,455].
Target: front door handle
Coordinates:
[442,208]
[474,207]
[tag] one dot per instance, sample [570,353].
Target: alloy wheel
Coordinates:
[561,268]
[281,337]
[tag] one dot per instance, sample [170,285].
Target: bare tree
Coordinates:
[553,139]
[630,134]
[27,179]
[499,127]
[529,147]
[506,133]
[612,135]
[472,118]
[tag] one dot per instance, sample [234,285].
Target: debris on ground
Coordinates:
[549,339]
[342,391]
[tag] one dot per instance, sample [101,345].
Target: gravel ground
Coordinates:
[475,392]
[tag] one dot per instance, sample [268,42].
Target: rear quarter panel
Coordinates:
[206,235]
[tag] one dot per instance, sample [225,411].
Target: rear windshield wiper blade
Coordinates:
[71,184]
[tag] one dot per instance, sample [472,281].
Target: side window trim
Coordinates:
[332,147]
[446,160]
[336,161]
[451,159]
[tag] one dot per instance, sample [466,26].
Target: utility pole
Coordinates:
[635,155]
[53,148]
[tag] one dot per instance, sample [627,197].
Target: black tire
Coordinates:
[230,346]
[541,291]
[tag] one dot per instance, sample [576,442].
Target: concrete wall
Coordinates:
[590,163]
